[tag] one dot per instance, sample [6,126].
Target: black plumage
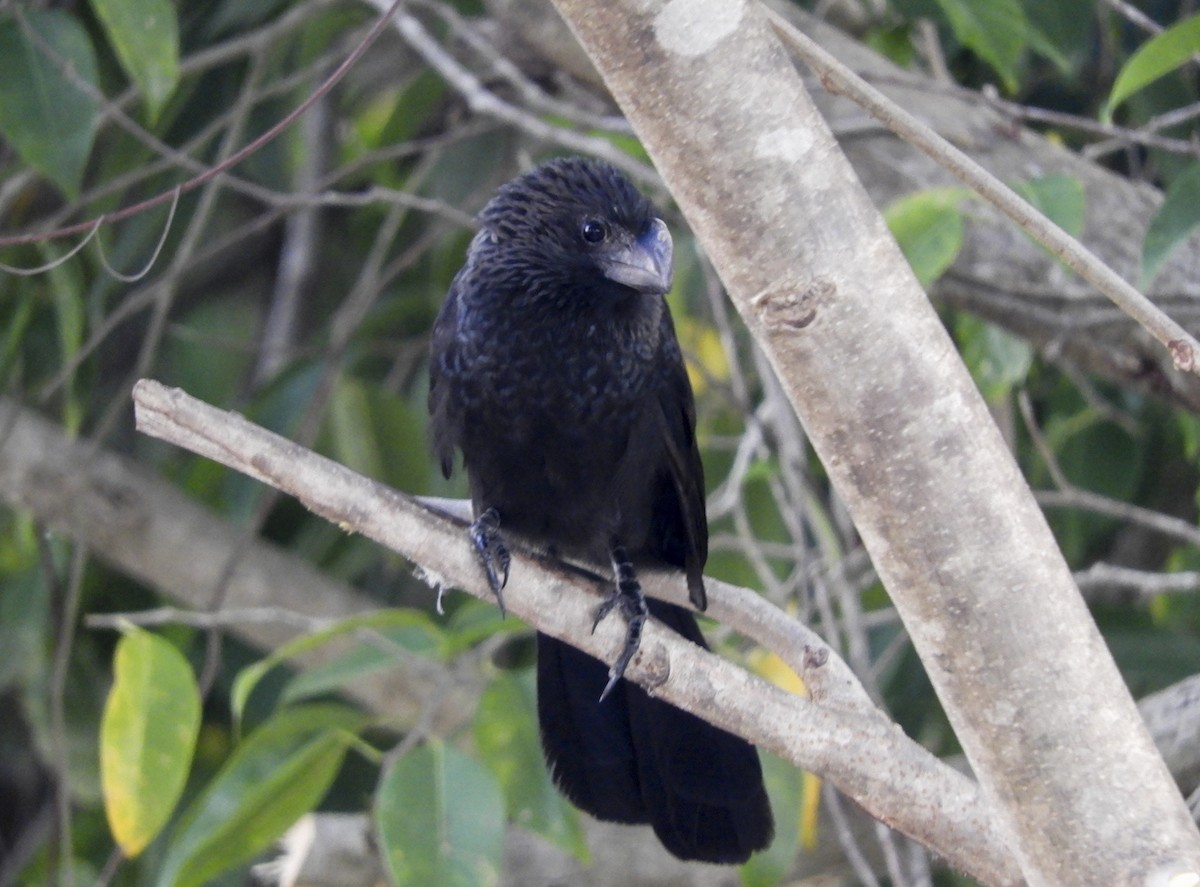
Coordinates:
[556,372]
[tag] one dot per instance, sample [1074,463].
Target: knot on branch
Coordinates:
[655,664]
[792,305]
[1183,355]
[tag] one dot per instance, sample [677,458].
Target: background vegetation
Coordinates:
[298,287]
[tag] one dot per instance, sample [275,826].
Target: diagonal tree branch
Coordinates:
[838,78]
[856,748]
[966,555]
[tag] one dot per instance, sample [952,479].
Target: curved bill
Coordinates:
[645,264]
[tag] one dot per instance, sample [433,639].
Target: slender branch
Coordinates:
[227,617]
[1145,583]
[836,77]
[1070,496]
[229,162]
[1116,136]
[854,747]
[483,101]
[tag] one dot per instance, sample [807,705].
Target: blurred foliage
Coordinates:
[400,163]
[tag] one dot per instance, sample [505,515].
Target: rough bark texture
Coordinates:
[964,551]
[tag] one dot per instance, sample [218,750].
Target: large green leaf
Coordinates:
[365,425]
[997,359]
[996,30]
[147,737]
[145,35]
[1159,55]
[43,114]
[1059,197]
[440,816]
[506,735]
[407,629]
[1174,222]
[279,773]
[929,228]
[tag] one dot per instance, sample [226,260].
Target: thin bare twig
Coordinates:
[229,162]
[1145,583]
[1070,496]
[483,101]
[836,77]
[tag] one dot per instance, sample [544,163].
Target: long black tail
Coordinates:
[636,759]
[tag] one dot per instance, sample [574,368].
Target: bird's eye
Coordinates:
[594,231]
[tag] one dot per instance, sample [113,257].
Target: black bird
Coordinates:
[555,370]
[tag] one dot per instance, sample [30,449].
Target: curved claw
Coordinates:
[628,597]
[492,553]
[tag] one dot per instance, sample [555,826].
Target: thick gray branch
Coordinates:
[955,534]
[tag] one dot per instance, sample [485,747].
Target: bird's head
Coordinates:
[576,226]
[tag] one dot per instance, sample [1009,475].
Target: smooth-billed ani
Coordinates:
[555,370]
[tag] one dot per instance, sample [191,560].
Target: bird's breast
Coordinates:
[550,435]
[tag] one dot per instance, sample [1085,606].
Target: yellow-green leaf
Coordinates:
[1060,198]
[147,736]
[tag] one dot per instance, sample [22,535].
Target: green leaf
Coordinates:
[24,624]
[365,423]
[929,228]
[147,737]
[1055,32]
[380,648]
[1159,55]
[440,817]
[1041,43]
[997,359]
[474,621]
[145,35]
[410,629]
[355,444]
[187,354]
[66,291]
[15,325]
[506,735]
[1149,658]
[1058,197]
[43,114]
[279,773]
[1174,222]
[996,30]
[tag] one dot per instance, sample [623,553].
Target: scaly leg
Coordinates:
[626,595]
[491,551]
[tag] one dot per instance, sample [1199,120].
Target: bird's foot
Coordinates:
[628,597]
[492,552]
